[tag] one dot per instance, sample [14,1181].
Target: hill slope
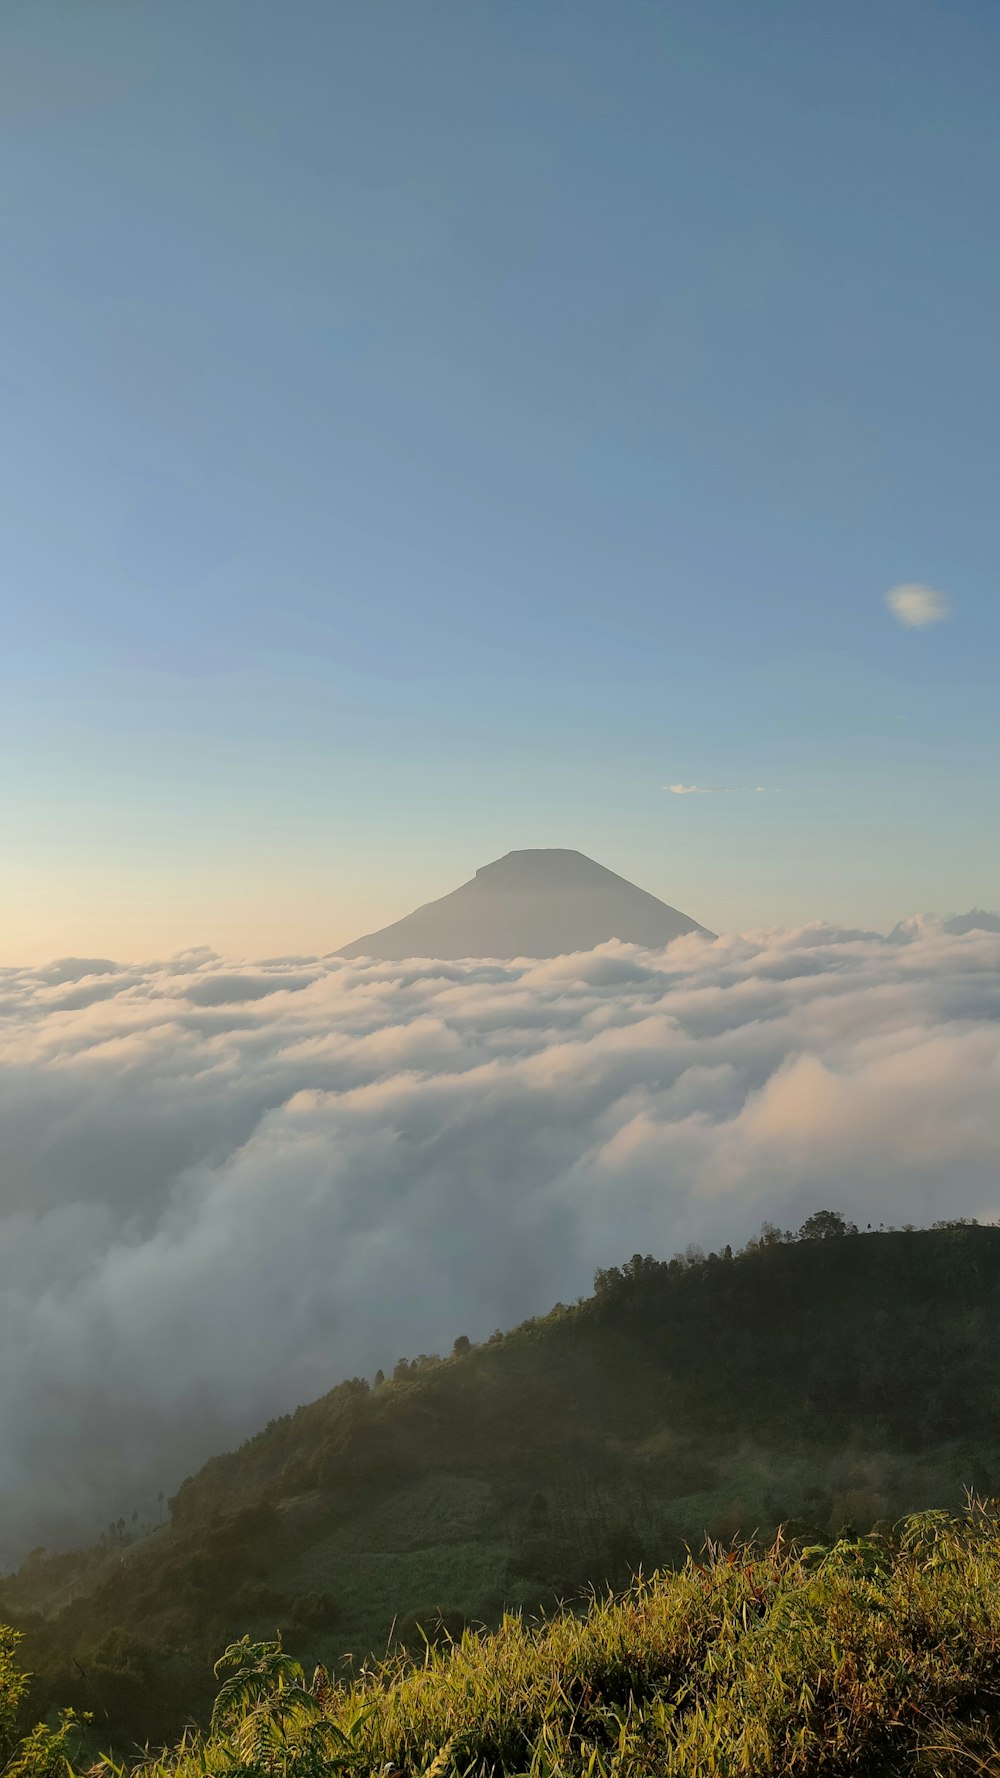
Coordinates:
[529,904]
[823,1381]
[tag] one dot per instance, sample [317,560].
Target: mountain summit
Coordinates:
[540,903]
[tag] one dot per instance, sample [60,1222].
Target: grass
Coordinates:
[876,1655]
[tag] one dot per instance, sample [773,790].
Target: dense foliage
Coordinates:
[826,1383]
[45,1752]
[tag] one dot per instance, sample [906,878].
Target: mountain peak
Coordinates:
[545,867]
[540,902]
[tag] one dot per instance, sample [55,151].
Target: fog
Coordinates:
[225,1186]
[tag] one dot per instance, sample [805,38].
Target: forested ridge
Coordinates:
[827,1384]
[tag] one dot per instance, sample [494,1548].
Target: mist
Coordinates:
[226,1185]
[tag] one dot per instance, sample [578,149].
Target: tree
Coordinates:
[606,1277]
[770,1235]
[642,1265]
[462,1345]
[826,1225]
[379,1378]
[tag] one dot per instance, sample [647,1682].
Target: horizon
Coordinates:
[149,937]
[210,952]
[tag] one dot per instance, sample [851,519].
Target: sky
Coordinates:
[434,430]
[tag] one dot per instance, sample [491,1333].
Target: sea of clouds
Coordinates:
[223,1187]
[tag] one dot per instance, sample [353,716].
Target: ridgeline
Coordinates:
[826,1384]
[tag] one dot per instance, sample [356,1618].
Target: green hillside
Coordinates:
[819,1383]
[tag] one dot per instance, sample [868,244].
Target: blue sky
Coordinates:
[432,429]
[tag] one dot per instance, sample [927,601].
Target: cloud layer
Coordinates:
[223,1187]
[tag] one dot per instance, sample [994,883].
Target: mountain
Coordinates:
[820,1381]
[918,925]
[976,920]
[539,903]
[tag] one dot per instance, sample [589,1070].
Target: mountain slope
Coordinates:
[529,904]
[823,1381]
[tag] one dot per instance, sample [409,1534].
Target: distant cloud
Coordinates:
[916,606]
[715,789]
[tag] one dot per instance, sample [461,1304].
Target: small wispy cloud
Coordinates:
[916,606]
[716,789]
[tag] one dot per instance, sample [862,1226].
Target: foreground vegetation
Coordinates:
[828,1384]
[877,1655]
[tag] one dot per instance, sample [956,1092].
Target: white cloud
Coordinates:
[916,606]
[714,789]
[224,1187]
[697,789]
